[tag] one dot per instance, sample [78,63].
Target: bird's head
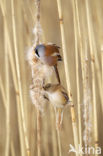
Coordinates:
[40,50]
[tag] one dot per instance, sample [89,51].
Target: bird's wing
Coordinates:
[50,49]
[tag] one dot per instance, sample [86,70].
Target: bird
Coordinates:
[57,95]
[49,54]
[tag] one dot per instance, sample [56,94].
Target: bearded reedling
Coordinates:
[57,95]
[49,55]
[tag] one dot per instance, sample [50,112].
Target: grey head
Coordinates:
[40,50]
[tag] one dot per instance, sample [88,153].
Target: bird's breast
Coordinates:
[56,99]
[50,60]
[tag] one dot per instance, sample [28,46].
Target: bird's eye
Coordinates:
[36,51]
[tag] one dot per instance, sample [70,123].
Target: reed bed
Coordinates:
[93,75]
[77,72]
[75,26]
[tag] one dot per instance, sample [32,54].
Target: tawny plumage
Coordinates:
[49,54]
[57,95]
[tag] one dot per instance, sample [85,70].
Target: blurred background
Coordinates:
[16,107]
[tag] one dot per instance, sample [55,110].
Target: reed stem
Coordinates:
[19,79]
[59,142]
[3,92]
[75,133]
[7,148]
[93,74]
[14,79]
[12,149]
[77,73]
[37,41]
[38,133]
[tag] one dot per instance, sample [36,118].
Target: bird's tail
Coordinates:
[57,73]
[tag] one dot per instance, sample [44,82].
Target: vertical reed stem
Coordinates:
[12,149]
[37,41]
[38,133]
[3,92]
[59,141]
[93,74]
[14,80]
[7,149]
[77,74]
[19,79]
[75,133]
[53,133]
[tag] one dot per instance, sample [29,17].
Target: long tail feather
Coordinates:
[57,74]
